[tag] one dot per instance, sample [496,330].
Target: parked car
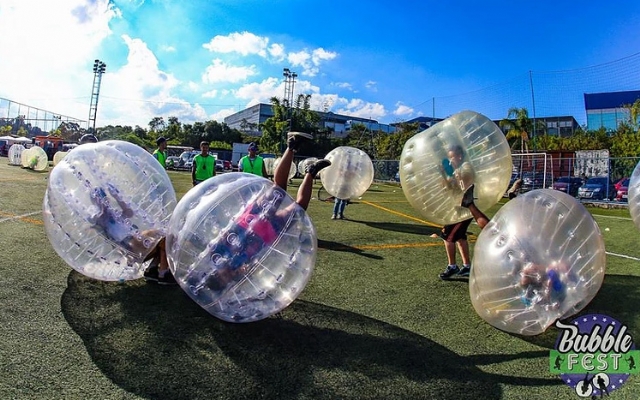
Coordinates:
[620,182]
[568,184]
[535,180]
[173,162]
[186,158]
[226,165]
[597,188]
[219,165]
[622,190]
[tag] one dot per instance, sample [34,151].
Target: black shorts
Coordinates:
[455,232]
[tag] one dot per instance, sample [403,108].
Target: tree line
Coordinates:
[522,132]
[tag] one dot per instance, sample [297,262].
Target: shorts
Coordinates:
[455,232]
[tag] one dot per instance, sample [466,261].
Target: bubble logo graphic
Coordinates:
[594,355]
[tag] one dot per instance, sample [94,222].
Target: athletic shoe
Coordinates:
[295,139]
[467,198]
[449,272]
[317,166]
[464,271]
[151,274]
[167,279]
[334,216]
[341,216]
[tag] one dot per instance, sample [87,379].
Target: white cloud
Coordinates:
[362,109]
[210,94]
[371,85]
[319,55]
[220,115]
[244,43]
[310,62]
[343,85]
[402,110]
[277,51]
[50,66]
[140,78]
[260,92]
[222,72]
[168,49]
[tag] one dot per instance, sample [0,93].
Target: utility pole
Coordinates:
[98,69]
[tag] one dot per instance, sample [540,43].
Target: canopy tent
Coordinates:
[12,139]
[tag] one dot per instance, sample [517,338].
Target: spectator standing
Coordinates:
[204,165]
[252,163]
[160,153]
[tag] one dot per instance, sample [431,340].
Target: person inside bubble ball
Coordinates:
[458,176]
[256,226]
[544,284]
[115,224]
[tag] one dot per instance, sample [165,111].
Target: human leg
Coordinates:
[468,201]
[305,189]
[336,208]
[452,234]
[281,173]
[463,248]
[342,205]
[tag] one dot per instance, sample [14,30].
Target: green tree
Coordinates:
[517,126]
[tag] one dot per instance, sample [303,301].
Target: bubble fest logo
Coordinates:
[594,355]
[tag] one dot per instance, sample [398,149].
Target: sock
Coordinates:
[161,273]
[466,266]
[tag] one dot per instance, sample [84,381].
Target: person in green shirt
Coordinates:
[252,163]
[204,165]
[160,153]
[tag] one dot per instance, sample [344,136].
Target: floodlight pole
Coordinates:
[98,69]
[289,85]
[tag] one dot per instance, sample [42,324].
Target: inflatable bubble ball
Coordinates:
[633,196]
[350,173]
[241,247]
[540,259]
[106,207]
[438,164]
[292,170]
[37,159]
[15,154]
[302,165]
[25,157]
[269,165]
[58,157]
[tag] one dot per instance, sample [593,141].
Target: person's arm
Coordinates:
[240,164]
[264,170]
[194,167]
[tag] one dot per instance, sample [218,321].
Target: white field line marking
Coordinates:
[20,216]
[612,217]
[622,255]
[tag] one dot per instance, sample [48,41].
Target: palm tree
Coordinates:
[517,126]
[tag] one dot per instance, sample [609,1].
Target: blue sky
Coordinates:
[205,59]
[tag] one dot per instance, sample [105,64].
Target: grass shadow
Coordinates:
[157,343]
[416,229]
[335,246]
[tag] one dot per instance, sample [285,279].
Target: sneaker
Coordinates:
[334,216]
[314,168]
[449,272]
[464,271]
[467,198]
[167,279]
[341,216]
[295,139]
[151,274]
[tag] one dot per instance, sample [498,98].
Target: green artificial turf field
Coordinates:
[375,320]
